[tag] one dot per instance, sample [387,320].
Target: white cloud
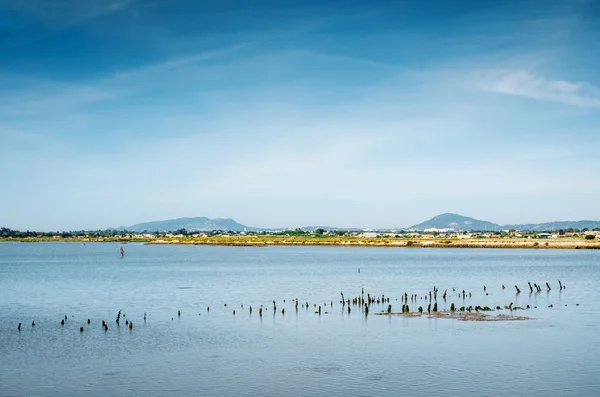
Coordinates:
[528,85]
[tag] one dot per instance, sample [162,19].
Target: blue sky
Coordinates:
[341,113]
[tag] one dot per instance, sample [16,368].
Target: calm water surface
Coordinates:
[217,353]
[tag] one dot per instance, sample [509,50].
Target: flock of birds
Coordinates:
[365,303]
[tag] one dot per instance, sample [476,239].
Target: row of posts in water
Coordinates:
[363,302]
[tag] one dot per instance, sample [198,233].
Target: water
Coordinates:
[217,353]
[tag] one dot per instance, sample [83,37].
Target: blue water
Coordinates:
[218,353]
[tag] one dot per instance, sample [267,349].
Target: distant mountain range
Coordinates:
[443,221]
[203,224]
[459,222]
[555,225]
[190,224]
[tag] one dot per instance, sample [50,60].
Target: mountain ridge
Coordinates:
[192,224]
[443,221]
[464,223]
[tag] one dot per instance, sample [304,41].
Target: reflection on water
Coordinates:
[215,352]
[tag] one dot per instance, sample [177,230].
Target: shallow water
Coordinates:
[217,353]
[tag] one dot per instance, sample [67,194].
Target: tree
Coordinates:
[590,237]
[319,231]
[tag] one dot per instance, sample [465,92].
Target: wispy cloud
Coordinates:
[528,85]
[65,13]
[47,97]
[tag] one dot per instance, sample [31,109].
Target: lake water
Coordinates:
[218,353]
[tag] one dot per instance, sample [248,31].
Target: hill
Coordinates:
[456,222]
[558,225]
[190,224]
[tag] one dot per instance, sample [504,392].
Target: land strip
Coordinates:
[266,240]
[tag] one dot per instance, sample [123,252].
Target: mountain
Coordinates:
[190,224]
[558,225]
[456,222]
[463,223]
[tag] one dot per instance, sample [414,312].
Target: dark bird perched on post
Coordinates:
[62,322]
[530,288]
[19,327]
[88,320]
[518,290]
[33,323]
[420,309]
[178,313]
[131,325]
[548,285]
[118,316]
[80,329]
[560,285]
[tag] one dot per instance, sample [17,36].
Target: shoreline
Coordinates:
[267,241]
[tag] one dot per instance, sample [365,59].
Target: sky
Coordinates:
[369,114]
